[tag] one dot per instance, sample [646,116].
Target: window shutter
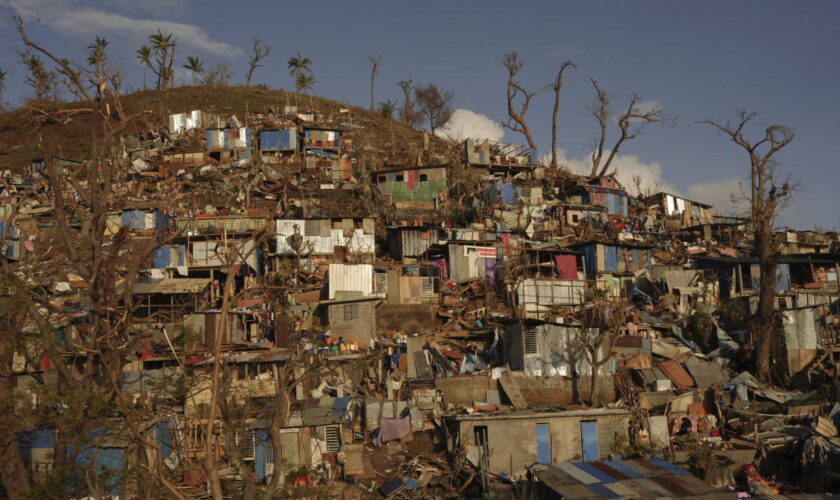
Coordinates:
[333,437]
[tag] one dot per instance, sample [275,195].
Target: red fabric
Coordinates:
[566,266]
[506,241]
[45,362]
[147,355]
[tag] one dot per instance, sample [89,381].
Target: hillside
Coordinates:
[380,139]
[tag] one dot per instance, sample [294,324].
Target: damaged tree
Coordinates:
[636,113]
[259,51]
[556,86]
[374,70]
[601,326]
[769,193]
[434,104]
[106,261]
[516,121]
[407,114]
[163,47]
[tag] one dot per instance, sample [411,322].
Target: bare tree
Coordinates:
[769,193]
[407,115]
[218,75]
[434,104]
[259,52]
[374,70]
[516,121]
[558,84]
[601,326]
[634,114]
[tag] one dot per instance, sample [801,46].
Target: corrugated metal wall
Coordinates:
[350,278]
[279,140]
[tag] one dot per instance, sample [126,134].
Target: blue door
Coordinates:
[589,438]
[543,444]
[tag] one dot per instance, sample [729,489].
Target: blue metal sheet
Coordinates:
[161,259]
[602,491]
[597,473]
[589,438]
[543,444]
[610,258]
[590,260]
[624,469]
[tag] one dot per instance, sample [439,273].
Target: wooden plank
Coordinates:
[513,392]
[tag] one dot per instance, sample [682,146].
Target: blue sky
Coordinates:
[696,59]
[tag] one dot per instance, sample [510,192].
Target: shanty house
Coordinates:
[604,258]
[498,157]
[614,200]
[537,297]
[354,318]
[471,262]
[417,188]
[512,441]
[679,213]
[321,236]
[321,138]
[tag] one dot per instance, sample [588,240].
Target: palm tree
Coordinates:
[387,108]
[2,87]
[299,65]
[96,53]
[144,54]
[164,49]
[303,83]
[195,65]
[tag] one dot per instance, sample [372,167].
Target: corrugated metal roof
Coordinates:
[170,285]
[643,479]
[677,278]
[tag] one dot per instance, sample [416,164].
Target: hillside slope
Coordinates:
[382,140]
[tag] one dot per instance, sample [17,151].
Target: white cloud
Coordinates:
[628,167]
[66,18]
[718,194]
[466,124]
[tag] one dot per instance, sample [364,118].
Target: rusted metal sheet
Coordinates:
[677,374]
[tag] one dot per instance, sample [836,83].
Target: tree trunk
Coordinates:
[764,324]
[554,127]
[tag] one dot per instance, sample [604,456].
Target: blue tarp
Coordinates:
[263,452]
